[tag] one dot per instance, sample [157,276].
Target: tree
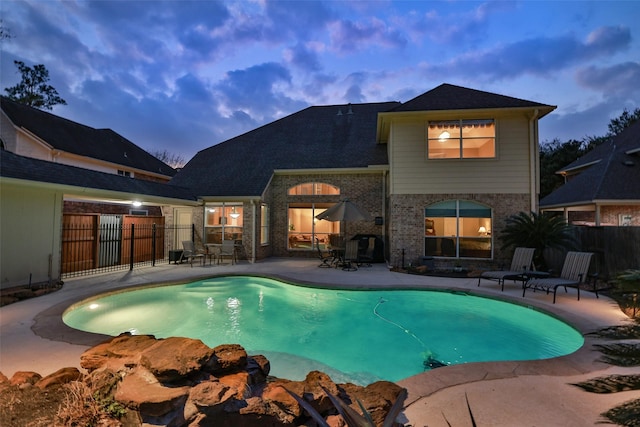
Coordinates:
[33,89]
[539,231]
[625,120]
[5,33]
[174,160]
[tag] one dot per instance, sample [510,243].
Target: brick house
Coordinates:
[438,176]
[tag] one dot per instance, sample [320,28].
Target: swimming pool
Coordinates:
[353,335]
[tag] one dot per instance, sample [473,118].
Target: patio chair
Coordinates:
[520,263]
[190,253]
[350,261]
[326,258]
[573,274]
[228,249]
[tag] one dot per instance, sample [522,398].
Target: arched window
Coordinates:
[458,229]
[313,189]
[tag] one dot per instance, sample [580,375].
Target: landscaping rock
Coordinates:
[172,359]
[140,390]
[59,377]
[180,381]
[125,349]
[25,377]
[228,358]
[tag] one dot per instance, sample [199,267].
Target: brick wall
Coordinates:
[406,224]
[365,190]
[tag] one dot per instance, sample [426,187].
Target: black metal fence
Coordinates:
[99,244]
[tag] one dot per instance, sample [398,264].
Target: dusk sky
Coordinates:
[186,75]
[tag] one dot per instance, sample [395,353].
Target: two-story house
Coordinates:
[438,176]
[37,134]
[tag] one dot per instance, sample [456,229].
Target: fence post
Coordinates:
[133,235]
[153,244]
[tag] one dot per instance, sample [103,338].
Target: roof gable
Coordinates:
[71,137]
[614,174]
[451,97]
[320,137]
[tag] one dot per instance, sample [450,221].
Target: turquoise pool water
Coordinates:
[355,336]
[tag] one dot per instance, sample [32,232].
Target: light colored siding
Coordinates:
[413,173]
[30,226]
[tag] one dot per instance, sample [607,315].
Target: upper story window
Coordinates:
[124,173]
[461,139]
[313,189]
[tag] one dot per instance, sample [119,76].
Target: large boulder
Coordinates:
[125,349]
[141,391]
[173,359]
[227,358]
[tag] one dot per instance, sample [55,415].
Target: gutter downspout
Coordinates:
[253,231]
[533,162]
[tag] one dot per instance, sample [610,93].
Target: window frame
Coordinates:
[225,226]
[444,229]
[264,224]
[457,127]
[315,187]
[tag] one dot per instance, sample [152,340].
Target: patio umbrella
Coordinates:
[345,211]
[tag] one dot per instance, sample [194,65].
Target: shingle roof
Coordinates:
[29,169]
[336,136]
[615,176]
[72,137]
[451,97]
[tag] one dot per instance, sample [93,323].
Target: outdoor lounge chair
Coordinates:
[573,274]
[520,263]
[350,261]
[189,252]
[326,258]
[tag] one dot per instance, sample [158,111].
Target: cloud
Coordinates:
[541,56]
[458,28]
[617,80]
[348,36]
[260,91]
[303,58]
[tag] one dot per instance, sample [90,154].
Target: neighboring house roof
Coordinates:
[613,174]
[13,166]
[321,137]
[71,137]
[450,97]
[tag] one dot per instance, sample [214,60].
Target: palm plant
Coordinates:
[539,231]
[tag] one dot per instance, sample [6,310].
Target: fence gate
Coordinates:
[93,243]
[110,240]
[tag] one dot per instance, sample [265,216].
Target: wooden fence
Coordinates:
[615,249]
[96,243]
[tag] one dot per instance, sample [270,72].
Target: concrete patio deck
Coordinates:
[529,393]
